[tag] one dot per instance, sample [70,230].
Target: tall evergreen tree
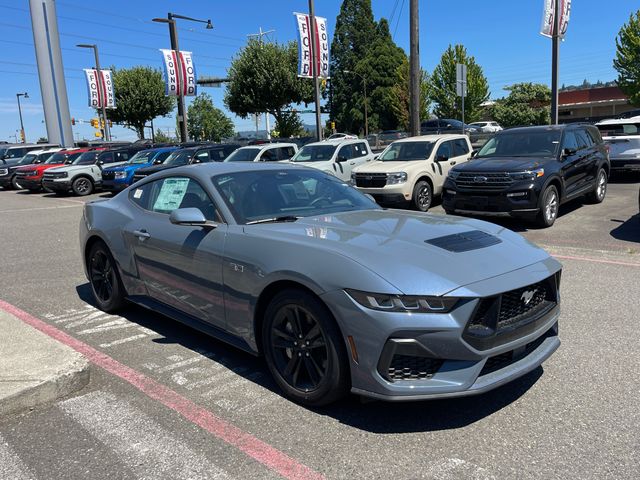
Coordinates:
[443,82]
[401,98]
[627,61]
[355,30]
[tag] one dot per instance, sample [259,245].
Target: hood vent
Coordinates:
[465,241]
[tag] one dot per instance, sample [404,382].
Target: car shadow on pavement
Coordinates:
[628,230]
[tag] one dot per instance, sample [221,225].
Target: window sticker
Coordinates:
[171,194]
[137,194]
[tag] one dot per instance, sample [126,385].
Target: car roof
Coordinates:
[266,146]
[337,141]
[209,169]
[38,152]
[619,121]
[431,138]
[540,128]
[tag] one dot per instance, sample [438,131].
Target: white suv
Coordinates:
[337,157]
[622,135]
[487,127]
[412,170]
[267,152]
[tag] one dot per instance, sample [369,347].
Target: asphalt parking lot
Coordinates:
[176,404]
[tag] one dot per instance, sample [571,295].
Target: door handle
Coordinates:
[141,234]
[452,163]
[352,163]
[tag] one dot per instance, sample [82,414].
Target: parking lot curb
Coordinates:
[34,368]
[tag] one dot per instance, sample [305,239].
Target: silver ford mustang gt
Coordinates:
[337,293]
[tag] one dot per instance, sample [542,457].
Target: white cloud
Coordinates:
[9,105]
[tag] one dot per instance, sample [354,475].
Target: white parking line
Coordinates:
[113,325]
[37,208]
[10,464]
[123,340]
[141,443]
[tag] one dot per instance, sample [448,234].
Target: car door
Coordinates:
[570,159]
[445,154]
[202,156]
[341,165]
[591,156]
[268,155]
[285,153]
[180,265]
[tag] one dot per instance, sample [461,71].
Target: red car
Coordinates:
[30,176]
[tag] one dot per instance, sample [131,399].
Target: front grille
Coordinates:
[108,175]
[483,181]
[30,173]
[408,367]
[503,360]
[371,180]
[496,318]
[54,175]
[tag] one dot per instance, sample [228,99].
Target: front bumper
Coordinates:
[492,203]
[455,367]
[389,193]
[34,183]
[114,185]
[5,180]
[63,185]
[626,163]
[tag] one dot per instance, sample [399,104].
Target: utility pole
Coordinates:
[414,69]
[259,35]
[555,58]
[106,129]
[22,134]
[314,60]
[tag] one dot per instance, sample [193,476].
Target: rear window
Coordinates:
[619,129]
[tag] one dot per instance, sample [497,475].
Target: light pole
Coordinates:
[107,132]
[173,36]
[22,135]
[364,87]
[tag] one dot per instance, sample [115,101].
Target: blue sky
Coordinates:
[501,34]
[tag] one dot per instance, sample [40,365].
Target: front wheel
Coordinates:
[304,349]
[14,183]
[548,207]
[600,190]
[82,186]
[103,276]
[422,196]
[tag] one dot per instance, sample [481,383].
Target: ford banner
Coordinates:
[548,17]
[304,46]
[179,81]
[100,93]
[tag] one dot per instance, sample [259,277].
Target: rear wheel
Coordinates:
[82,186]
[103,276]
[422,196]
[304,349]
[548,207]
[600,191]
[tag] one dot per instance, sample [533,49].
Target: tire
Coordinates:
[14,184]
[600,190]
[298,325]
[549,205]
[106,285]
[82,186]
[422,196]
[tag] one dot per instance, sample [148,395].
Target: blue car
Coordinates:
[115,179]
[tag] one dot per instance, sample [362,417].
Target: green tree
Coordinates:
[526,104]
[289,125]
[443,83]
[401,98]
[162,137]
[206,122]
[627,61]
[140,97]
[354,32]
[263,78]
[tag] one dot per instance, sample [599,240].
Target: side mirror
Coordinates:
[567,152]
[100,163]
[189,216]
[341,158]
[375,157]
[442,158]
[157,161]
[474,153]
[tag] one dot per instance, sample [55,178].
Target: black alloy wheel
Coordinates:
[549,207]
[14,183]
[105,282]
[304,350]
[82,186]
[600,190]
[422,196]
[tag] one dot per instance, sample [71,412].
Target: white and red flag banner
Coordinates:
[305,66]
[548,17]
[179,80]
[100,93]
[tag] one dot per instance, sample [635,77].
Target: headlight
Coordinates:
[121,175]
[396,177]
[4,171]
[528,175]
[403,303]
[453,174]
[353,177]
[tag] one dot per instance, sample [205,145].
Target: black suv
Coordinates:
[446,125]
[188,156]
[528,172]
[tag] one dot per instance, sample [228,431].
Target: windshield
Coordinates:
[142,157]
[406,151]
[179,157]
[28,159]
[87,158]
[314,153]
[543,143]
[619,129]
[16,152]
[243,155]
[268,194]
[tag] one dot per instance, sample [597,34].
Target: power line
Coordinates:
[398,20]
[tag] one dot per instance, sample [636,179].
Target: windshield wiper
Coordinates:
[284,218]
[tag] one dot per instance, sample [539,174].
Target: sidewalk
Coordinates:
[34,368]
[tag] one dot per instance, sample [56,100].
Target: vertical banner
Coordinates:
[304,46]
[179,81]
[100,96]
[548,17]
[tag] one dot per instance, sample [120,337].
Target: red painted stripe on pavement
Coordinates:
[245,442]
[596,260]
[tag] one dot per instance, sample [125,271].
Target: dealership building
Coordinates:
[592,104]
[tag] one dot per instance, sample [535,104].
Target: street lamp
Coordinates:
[173,36]
[107,133]
[22,135]
[364,86]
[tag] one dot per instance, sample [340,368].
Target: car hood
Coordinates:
[388,167]
[127,167]
[501,164]
[326,164]
[393,244]
[155,168]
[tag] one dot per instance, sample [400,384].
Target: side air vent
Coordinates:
[465,241]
